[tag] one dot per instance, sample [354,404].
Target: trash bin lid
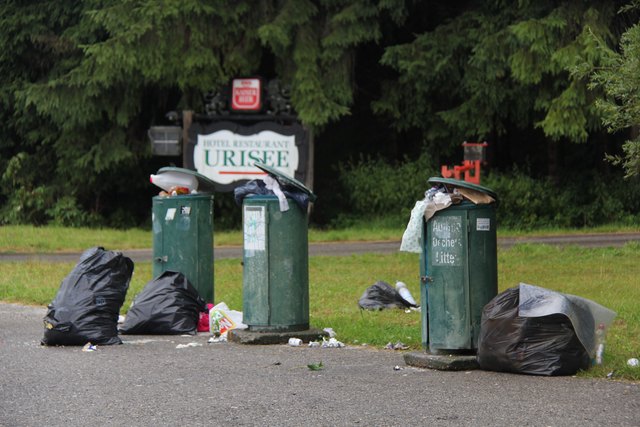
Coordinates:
[463,184]
[286,180]
[205,185]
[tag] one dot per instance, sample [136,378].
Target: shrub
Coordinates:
[524,202]
[373,188]
[587,201]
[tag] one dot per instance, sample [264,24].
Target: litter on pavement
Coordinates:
[381,295]
[531,330]
[89,299]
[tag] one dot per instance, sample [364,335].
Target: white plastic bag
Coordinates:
[222,319]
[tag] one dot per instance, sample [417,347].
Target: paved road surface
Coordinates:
[349,248]
[147,381]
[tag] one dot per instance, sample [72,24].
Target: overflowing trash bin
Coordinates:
[182,217]
[275,252]
[460,265]
[454,230]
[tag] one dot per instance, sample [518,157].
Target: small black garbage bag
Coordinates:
[545,345]
[167,305]
[88,301]
[257,187]
[382,295]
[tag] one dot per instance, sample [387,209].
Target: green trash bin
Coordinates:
[183,230]
[275,279]
[459,270]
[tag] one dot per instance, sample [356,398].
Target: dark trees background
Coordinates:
[387,86]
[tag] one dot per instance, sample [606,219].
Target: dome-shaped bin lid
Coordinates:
[205,185]
[463,184]
[284,179]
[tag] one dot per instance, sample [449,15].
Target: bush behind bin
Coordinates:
[372,188]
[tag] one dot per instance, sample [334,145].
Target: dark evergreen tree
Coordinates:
[496,68]
[99,72]
[81,82]
[619,78]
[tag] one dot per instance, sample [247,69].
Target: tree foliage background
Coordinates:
[552,85]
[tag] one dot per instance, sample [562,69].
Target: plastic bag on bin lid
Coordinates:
[259,188]
[382,295]
[167,305]
[89,299]
[532,330]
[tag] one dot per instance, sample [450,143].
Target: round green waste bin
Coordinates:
[275,275]
[183,233]
[459,268]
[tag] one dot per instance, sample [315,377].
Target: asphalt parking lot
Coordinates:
[149,381]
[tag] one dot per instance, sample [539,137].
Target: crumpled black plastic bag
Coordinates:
[546,345]
[258,187]
[88,301]
[167,305]
[382,295]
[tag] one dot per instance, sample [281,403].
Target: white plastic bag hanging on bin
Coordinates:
[272,184]
[426,208]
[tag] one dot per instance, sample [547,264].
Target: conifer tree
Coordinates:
[81,81]
[498,66]
[619,77]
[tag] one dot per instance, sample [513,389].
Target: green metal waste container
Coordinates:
[183,232]
[459,269]
[275,275]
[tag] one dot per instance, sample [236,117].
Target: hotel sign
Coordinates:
[225,152]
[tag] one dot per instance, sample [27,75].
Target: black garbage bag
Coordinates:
[259,188]
[382,295]
[545,345]
[88,301]
[167,305]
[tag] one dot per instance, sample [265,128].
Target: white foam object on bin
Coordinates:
[169,179]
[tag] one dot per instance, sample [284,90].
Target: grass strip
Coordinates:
[29,239]
[608,276]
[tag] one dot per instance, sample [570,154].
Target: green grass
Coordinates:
[609,276]
[29,239]
[555,231]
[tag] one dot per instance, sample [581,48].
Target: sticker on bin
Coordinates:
[483,224]
[171,213]
[255,228]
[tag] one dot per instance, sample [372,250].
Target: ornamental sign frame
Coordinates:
[225,151]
